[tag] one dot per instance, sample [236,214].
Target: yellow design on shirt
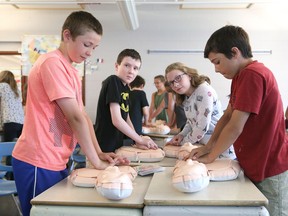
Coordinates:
[125,97]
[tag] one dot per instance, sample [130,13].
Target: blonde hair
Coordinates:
[8,77]
[195,80]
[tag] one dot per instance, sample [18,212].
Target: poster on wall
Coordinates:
[33,46]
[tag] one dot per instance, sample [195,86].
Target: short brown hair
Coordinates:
[227,37]
[160,77]
[79,22]
[137,82]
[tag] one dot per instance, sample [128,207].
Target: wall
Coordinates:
[164,27]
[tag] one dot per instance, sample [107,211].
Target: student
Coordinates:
[11,109]
[201,105]
[156,100]
[112,120]
[253,120]
[168,105]
[55,118]
[139,107]
[180,117]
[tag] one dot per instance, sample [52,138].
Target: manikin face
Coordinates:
[82,47]
[128,69]
[227,67]
[179,82]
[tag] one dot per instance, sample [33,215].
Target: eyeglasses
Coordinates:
[176,80]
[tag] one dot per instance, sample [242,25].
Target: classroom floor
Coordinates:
[10,206]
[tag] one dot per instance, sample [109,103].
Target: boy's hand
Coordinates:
[148,124]
[113,159]
[108,157]
[121,161]
[200,154]
[102,165]
[206,159]
[147,143]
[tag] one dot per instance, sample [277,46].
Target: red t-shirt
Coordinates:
[262,147]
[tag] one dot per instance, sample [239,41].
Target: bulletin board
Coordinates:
[34,45]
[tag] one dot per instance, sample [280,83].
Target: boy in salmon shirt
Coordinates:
[55,118]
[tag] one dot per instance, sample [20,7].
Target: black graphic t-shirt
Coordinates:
[138,100]
[113,91]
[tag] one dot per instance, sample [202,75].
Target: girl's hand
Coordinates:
[176,140]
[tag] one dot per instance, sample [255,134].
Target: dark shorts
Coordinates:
[31,181]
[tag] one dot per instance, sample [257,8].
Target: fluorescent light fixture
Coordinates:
[216,4]
[42,4]
[129,13]
[194,51]
[156,51]
[49,6]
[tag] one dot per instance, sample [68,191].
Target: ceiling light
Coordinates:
[215,4]
[129,13]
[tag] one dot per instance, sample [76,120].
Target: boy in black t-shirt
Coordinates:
[113,120]
[139,106]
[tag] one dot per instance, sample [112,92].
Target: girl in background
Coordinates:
[156,100]
[11,109]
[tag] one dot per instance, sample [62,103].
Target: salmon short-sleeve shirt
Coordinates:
[47,140]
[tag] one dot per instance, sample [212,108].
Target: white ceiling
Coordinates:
[154,9]
[78,4]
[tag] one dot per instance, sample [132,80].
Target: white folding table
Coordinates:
[236,197]
[65,199]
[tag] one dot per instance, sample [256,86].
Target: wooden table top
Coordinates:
[238,192]
[65,193]
[157,190]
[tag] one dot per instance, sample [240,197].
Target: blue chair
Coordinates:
[8,202]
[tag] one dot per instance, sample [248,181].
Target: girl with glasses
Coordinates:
[201,105]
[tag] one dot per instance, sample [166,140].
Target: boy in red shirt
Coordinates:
[253,120]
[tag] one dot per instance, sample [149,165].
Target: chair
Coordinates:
[8,201]
[77,159]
